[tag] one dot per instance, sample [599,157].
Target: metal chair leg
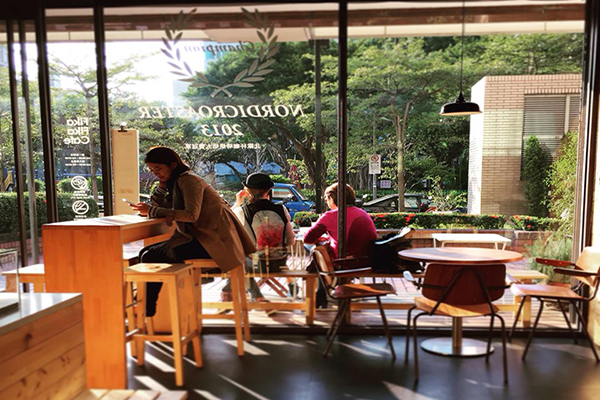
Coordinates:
[332,338]
[504,361]
[410,310]
[568,321]
[489,343]
[587,334]
[537,319]
[517,318]
[386,328]
[416,346]
[337,319]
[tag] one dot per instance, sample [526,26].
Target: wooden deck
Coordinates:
[406,292]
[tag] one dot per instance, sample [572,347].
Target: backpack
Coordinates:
[267,221]
[384,254]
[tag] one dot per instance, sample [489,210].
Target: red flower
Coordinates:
[528,226]
[411,215]
[494,216]
[517,217]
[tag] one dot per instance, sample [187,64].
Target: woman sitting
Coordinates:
[206,227]
[360,229]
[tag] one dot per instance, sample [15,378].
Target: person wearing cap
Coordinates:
[268,225]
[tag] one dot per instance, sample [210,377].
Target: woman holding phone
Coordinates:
[206,227]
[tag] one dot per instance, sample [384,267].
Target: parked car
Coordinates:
[412,203]
[291,197]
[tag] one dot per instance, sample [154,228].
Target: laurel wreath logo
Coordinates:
[245,78]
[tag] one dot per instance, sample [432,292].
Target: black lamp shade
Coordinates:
[460,107]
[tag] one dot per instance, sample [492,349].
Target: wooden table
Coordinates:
[456,346]
[86,256]
[485,238]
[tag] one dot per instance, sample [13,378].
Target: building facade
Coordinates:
[515,108]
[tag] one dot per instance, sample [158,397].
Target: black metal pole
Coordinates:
[103,115]
[342,123]
[29,148]
[318,132]
[14,109]
[46,114]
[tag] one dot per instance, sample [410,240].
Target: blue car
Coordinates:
[293,200]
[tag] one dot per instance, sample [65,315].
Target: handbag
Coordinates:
[384,254]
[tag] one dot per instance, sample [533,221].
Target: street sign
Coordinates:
[385,184]
[374,164]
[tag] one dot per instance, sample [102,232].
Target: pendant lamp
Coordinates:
[460,106]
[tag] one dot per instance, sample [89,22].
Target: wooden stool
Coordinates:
[238,291]
[31,274]
[183,330]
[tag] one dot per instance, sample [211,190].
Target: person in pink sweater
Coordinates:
[360,229]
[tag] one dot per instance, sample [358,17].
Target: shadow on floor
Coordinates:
[360,367]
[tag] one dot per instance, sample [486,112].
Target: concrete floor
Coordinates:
[360,367]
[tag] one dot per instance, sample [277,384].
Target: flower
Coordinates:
[528,226]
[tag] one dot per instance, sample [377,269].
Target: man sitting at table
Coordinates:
[268,225]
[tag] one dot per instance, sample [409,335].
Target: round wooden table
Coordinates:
[456,346]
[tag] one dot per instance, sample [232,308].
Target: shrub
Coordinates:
[535,171]
[529,223]
[304,218]
[562,179]
[420,220]
[9,216]
[64,186]
[557,247]
[446,200]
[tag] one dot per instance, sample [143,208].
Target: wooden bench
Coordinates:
[309,305]
[31,274]
[103,394]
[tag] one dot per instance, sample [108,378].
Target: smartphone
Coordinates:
[131,203]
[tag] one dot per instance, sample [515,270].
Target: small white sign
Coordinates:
[385,184]
[374,164]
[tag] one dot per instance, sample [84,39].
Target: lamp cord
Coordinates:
[462,45]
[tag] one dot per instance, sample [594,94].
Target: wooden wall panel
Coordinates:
[45,358]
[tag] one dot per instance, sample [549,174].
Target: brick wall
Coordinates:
[494,175]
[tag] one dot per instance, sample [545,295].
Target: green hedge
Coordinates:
[450,220]
[9,221]
[529,223]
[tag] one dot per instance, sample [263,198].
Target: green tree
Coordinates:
[536,164]
[399,86]
[84,97]
[562,180]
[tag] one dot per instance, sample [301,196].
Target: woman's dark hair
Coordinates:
[332,191]
[167,156]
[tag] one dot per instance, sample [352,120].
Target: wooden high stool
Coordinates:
[184,328]
[238,292]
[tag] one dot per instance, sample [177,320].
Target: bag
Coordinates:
[384,254]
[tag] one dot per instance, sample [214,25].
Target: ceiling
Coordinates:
[305,21]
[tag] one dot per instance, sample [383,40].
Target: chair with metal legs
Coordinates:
[459,291]
[334,274]
[586,270]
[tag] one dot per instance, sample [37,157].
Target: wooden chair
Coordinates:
[184,328]
[238,291]
[460,291]
[333,277]
[586,270]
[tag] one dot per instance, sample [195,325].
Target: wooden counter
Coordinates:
[41,347]
[86,256]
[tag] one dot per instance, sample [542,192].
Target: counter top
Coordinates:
[34,306]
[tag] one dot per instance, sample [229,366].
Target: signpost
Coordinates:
[374,169]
